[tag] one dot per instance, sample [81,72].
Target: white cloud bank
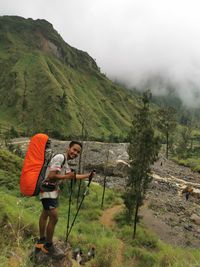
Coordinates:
[131,40]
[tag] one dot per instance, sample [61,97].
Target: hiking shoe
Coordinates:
[54,252]
[40,243]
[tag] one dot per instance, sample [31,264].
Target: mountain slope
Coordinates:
[47,85]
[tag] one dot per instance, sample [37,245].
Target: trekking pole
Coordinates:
[78,195]
[70,201]
[85,193]
[104,180]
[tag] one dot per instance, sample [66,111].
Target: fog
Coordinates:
[133,41]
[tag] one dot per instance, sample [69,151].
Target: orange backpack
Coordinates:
[35,165]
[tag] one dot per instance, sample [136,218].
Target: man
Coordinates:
[58,170]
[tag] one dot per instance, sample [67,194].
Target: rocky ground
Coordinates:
[166,210]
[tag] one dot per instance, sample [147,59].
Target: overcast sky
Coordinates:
[131,40]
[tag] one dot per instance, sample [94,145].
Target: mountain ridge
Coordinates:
[47,85]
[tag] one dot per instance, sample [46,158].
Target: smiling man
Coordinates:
[58,170]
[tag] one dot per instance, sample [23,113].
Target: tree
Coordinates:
[167,124]
[143,151]
[184,143]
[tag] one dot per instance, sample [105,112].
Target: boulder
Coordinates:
[195,218]
[121,168]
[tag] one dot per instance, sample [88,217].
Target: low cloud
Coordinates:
[131,40]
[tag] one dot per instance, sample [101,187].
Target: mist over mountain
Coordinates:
[47,85]
[131,41]
[187,87]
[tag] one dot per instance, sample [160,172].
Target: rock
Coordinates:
[121,168]
[39,258]
[188,227]
[195,218]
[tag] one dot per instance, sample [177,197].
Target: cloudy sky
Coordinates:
[131,40]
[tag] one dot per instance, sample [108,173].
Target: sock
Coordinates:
[42,239]
[48,244]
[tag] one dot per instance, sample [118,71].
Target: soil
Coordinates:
[108,215]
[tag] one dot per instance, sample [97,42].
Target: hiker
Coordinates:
[187,191]
[56,172]
[187,194]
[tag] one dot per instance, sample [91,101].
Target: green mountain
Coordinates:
[47,85]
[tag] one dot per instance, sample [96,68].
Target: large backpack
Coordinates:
[38,156]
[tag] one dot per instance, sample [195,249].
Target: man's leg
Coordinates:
[53,218]
[42,223]
[50,213]
[42,230]
[48,218]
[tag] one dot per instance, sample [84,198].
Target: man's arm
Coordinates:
[54,175]
[82,176]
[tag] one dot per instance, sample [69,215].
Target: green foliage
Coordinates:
[45,85]
[17,218]
[166,123]
[184,144]
[10,169]
[143,151]
[191,162]
[144,258]
[107,250]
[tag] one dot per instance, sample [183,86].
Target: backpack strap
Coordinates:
[63,160]
[45,185]
[63,163]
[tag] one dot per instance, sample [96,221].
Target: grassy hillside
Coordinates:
[47,85]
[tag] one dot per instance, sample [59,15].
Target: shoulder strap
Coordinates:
[63,163]
[63,160]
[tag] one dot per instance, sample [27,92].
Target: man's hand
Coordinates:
[92,174]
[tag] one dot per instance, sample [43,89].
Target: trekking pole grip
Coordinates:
[91,175]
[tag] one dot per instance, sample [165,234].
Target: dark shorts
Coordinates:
[49,203]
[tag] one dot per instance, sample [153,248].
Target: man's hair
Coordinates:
[75,143]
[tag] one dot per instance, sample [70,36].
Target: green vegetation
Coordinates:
[186,148]
[45,84]
[143,152]
[19,229]
[10,169]
[147,250]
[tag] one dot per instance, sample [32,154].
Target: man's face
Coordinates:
[73,151]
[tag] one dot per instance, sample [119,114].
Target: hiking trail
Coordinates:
[108,221]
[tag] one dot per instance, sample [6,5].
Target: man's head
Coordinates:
[74,149]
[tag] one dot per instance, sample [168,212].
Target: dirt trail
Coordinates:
[108,214]
[107,220]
